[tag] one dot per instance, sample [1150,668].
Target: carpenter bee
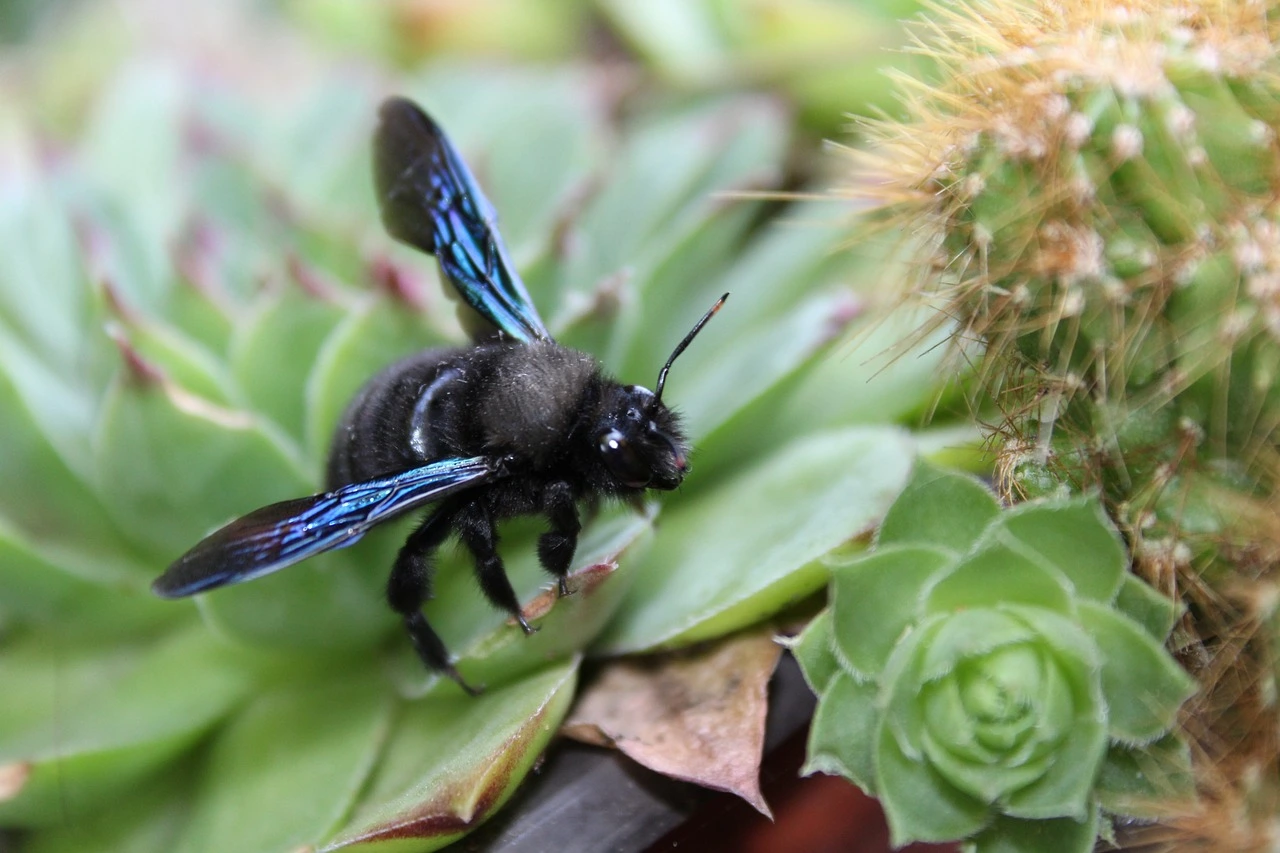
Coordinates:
[514,425]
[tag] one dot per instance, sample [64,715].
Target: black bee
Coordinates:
[515,425]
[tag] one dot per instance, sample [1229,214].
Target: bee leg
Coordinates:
[409,587]
[475,527]
[556,546]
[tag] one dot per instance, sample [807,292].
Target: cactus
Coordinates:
[1095,186]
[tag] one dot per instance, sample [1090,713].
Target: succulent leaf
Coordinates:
[1144,605]
[1141,781]
[451,761]
[959,499]
[812,647]
[840,740]
[879,600]
[91,721]
[996,573]
[174,499]
[1076,538]
[1142,685]
[286,329]
[801,504]
[318,740]
[919,803]
[1061,835]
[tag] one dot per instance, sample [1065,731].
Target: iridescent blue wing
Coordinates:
[430,200]
[283,533]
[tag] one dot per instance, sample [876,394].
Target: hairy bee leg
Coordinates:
[557,545]
[409,587]
[475,527]
[430,648]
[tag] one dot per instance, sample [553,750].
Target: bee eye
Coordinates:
[633,414]
[622,460]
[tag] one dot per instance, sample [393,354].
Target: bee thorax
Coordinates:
[533,399]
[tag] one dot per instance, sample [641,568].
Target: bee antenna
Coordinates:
[680,347]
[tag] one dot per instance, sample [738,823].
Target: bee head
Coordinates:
[640,442]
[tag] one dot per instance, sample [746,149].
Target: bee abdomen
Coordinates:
[391,424]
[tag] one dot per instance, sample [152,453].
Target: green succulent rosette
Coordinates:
[997,675]
[195,283]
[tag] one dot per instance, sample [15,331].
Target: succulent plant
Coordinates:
[829,56]
[193,285]
[997,676]
[408,30]
[1094,186]
[826,56]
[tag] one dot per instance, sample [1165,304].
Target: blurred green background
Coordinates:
[828,57]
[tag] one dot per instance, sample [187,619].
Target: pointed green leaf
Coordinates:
[985,782]
[1143,685]
[1152,781]
[1061,835]
[452,760]
[842,736]
[96,718]
[781,265]
[142,168]
[660,187]
[183,362]
[901,685]
[1064,788]
[274,351]
[286,770]
[45,295]
[919,804]
[50,419]
[863,380]
[682,39]
[179,466]
[31,586]
[317,153]
[748,547]
[998,574]
[941,509]
[736,365]
[1077,538]
[1149,608]
[969,634]
[666,294]
[126,251]
[867,376]
[874,599]
[1075,651]
[770,278]
[812,650]
[148,820]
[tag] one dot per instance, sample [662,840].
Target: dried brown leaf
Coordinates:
[694,715]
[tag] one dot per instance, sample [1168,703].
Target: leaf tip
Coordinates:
[143,372]
[586,581]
